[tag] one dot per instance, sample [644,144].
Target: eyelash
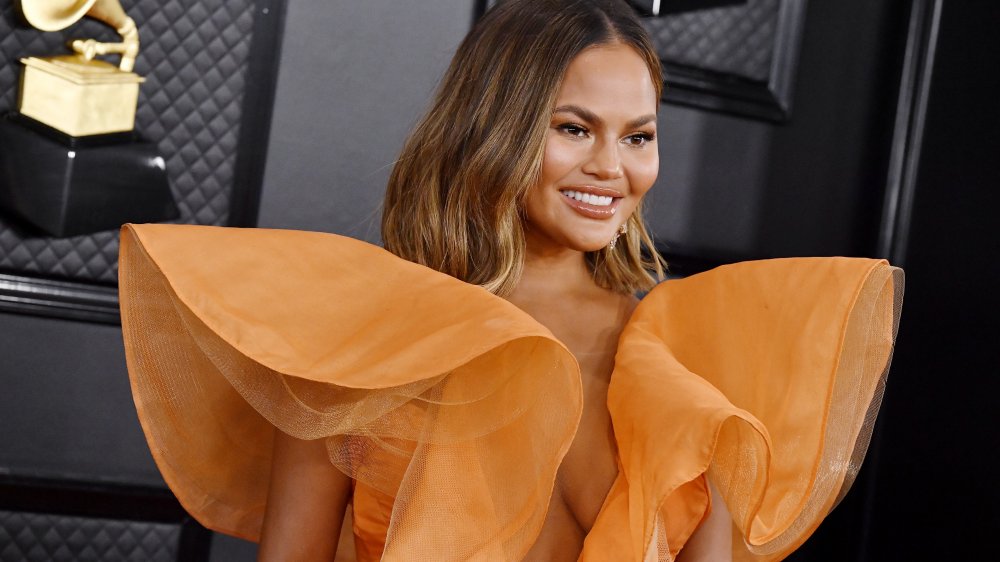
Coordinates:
[572,129]
[575,130]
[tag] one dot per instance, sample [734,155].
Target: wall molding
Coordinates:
[61,299]
[908,130]
[724,92]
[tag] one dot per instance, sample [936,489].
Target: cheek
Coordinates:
[642,172]
[560,159]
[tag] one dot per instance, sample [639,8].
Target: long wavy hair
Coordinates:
[455,198]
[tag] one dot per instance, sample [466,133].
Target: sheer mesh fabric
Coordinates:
[856,395]
[469,454]
[659,547]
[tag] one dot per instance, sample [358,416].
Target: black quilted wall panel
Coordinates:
[735,40]
[41,537]
[194,55]
[730,56]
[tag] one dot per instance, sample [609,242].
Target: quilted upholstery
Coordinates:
[733,40]
[194,56]
[33,537]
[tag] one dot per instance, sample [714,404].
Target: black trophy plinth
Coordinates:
[68,186]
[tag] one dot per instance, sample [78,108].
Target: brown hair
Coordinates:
[455,197]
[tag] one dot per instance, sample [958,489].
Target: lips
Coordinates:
[592,202]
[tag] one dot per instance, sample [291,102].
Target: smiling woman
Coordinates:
[500,393]
[600,151]
[469,166]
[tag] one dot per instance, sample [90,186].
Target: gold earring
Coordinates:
[621,230]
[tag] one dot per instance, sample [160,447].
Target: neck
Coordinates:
[551,269]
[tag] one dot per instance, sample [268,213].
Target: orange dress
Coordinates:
[452,409]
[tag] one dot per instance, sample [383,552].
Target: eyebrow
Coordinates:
[592,117]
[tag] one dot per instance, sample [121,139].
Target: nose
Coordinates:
[605,162]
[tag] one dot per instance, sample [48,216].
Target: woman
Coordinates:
[551,256]
[561,422]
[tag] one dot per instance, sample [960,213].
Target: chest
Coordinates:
[590,328]
[587,471]
[591,464]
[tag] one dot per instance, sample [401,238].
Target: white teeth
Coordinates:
[589,198]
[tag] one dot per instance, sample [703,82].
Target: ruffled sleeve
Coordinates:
[428,389]
[764,376]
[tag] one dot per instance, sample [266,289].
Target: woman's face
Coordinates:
[600,151]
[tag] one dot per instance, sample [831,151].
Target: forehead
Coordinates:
[609,79]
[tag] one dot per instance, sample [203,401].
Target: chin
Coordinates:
[588,244]
[568,231]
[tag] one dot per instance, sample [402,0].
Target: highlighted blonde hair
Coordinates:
[455,199]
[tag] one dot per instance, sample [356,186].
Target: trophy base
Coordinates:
[70,187]
[67,140]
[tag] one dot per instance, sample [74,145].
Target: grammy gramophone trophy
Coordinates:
[70,160]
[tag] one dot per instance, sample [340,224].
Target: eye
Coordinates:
[573,130]
[639,140]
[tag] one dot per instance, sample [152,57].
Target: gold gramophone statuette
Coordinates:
[77,93]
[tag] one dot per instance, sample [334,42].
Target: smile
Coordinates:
[592,205]
[596,200]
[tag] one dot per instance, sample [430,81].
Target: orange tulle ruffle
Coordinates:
[449,405]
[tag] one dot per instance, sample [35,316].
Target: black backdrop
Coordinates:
[930,485]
